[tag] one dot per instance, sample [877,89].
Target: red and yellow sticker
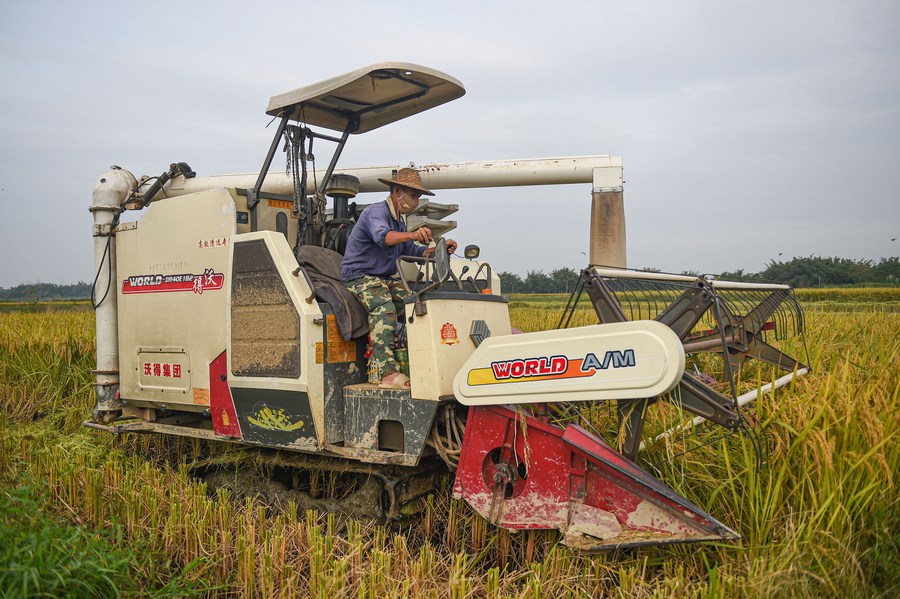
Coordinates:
[157,283]
[522,370]
[448,334]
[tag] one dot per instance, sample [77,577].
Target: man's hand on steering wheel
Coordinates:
[451,247]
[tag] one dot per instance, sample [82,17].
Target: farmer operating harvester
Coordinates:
[221,315]
[369,269]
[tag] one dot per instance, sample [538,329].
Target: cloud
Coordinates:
[747,128]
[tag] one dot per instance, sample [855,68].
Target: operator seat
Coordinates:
[324,269]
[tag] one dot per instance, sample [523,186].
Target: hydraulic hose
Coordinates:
[175,169]
[157,185]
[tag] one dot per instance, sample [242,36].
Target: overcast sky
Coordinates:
[749,130]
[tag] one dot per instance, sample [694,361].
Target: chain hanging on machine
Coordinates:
[295,148]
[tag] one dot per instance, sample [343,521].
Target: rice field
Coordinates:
[84,513]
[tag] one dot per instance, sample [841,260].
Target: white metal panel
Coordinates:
[628,360]
[172,266]
[439,341]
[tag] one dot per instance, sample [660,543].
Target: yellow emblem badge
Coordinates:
[273,420]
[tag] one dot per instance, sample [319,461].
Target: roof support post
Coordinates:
[352,125]
[253,193]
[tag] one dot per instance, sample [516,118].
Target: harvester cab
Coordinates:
[221,317]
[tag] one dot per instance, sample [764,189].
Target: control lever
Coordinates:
[488,276]
[471,282]
[464,270]
[420,275]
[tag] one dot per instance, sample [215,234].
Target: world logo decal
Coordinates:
[550,367]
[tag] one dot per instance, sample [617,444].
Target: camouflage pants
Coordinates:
[383,298]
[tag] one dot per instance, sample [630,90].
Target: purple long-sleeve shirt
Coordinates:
[367,254]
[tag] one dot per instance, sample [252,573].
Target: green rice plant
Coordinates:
[46,306]
[40,557]
[45,363]
[869,295]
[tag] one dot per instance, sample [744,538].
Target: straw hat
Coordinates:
[408,177]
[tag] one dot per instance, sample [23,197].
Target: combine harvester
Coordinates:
[218,319]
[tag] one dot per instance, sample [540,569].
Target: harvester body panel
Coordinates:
[172,268]
[591,363]
[439,339]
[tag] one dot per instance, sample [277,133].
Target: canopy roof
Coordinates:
[375,95]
